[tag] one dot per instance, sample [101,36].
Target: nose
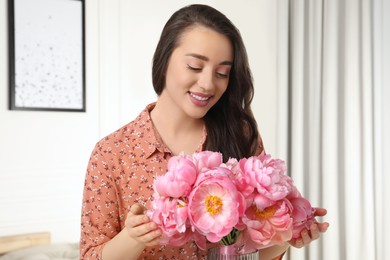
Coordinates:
[206,80]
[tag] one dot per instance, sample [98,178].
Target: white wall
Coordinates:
[43,155]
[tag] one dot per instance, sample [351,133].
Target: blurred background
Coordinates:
[322,85]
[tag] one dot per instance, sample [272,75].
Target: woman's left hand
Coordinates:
[309,235]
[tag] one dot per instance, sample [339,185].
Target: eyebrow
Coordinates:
[201,57]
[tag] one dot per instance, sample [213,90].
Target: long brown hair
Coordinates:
[231,127]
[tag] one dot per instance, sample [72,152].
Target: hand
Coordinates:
[309,235]
[140,228]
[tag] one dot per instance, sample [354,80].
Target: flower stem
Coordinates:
[231,238]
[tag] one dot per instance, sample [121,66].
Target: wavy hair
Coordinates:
[231,127]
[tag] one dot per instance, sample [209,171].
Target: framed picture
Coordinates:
[46,55]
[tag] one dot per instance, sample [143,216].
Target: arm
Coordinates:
[115,249]
[102,234]
[99,223]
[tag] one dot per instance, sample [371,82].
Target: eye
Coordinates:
[222,75]
[197,69]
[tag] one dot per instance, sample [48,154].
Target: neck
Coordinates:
[174,120]
[179,132]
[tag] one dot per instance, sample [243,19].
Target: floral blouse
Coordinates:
[120,172]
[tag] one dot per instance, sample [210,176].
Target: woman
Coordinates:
[204,86]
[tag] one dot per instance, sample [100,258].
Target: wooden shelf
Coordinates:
[10,243]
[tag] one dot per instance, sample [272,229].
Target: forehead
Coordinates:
[205,41]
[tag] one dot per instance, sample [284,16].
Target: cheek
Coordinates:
[177,78]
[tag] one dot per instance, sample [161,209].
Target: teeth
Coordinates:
[199,98]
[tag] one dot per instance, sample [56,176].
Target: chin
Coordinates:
[197,114]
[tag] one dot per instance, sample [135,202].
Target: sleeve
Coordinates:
[100,215]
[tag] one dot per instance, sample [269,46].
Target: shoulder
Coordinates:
[136,132]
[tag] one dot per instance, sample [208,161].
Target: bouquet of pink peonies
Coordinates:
[201,198]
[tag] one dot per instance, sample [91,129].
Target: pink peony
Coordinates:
[302,214]
[215,205]
[269,226]
[181,175]
[268,177]
[240,179]
[171,215]
[207,160]
[231,164]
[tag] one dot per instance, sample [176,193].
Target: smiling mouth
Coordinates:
[200,98]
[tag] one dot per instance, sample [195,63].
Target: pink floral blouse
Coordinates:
[120,173]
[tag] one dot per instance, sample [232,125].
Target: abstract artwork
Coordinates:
[47,70]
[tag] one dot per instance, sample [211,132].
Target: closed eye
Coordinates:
[222,75]
[194,68]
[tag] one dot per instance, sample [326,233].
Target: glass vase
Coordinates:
[231,252]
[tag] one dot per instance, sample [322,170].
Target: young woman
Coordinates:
[204,86]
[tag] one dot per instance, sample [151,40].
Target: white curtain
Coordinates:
[329,68]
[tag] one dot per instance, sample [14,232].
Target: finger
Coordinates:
[314,231]
[154,242]
[320,212]
[136,220]
[144,230]
[137,209]
[322,227]
[152,237]
[305,237]
[298,243]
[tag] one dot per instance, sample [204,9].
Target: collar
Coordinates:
[153,141]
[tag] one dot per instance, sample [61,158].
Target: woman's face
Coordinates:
[198,71]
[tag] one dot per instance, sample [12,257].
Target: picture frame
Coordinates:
[47,55]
